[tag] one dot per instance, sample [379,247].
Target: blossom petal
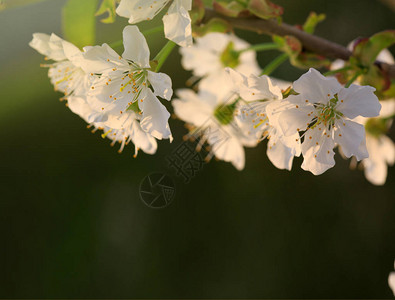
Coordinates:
[317,149]
[225,146]
[391,281]
[292,119]
[140,10]
[155,117]
[349,135]
[142,139]
[48,45]
[177,25]
[315,87]
[136,47]
[280,155]
[190,108]
[358,101]
[161,84]
[102,59]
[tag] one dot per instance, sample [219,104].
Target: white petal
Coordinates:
[349,135]
[375,171]
[177,23]
[203,58]
[50,46]
[391,281]
[136,47]
[79,106]
[292,119]
[102,59]
[280,155]
[219,85]
[317,149]
[387,108]
[155,117]
[161,84]
[358,101]
[191,109]
[72,53]
[140,10]
[142,139]
[225,146]
[187,4]
[387,149]
[314,166]
[315,87]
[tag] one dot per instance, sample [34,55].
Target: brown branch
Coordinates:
[310,42]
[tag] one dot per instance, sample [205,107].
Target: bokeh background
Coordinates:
[72,224]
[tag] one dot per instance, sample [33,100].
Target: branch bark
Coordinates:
[310,42]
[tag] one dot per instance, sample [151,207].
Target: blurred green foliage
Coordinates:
[79,22]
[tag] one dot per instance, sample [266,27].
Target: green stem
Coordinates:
[274,64]
[354,78]
[337,71]
[260,47]
[164,54]
[153,30]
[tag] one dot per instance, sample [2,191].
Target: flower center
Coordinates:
[230,57]
[327,113]
[224,113]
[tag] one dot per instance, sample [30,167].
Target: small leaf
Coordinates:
[298,58]
[214,25]
[307,60]
[197,12]
[312,21]
[107,6]
[265,9]
[79,22]
[230,8]
[366,50]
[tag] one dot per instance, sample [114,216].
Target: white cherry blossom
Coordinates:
[380,147]
[127,129]
[215,51]
[391,280]
[212,115]
[324,111]
[177,22]
[256,117]
[65,73]
[123,81]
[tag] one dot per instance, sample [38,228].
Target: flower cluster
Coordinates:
[230,103]
[118,94]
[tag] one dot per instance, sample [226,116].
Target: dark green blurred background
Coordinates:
[72,223]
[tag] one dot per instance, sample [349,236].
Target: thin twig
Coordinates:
[310,42]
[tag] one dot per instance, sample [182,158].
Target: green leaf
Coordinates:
[6,4]
[367,50]
[298,58]
[197,12]
[214,25]
[230,8]
[107,6]
[265,9]
[312,21]
[79,22]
